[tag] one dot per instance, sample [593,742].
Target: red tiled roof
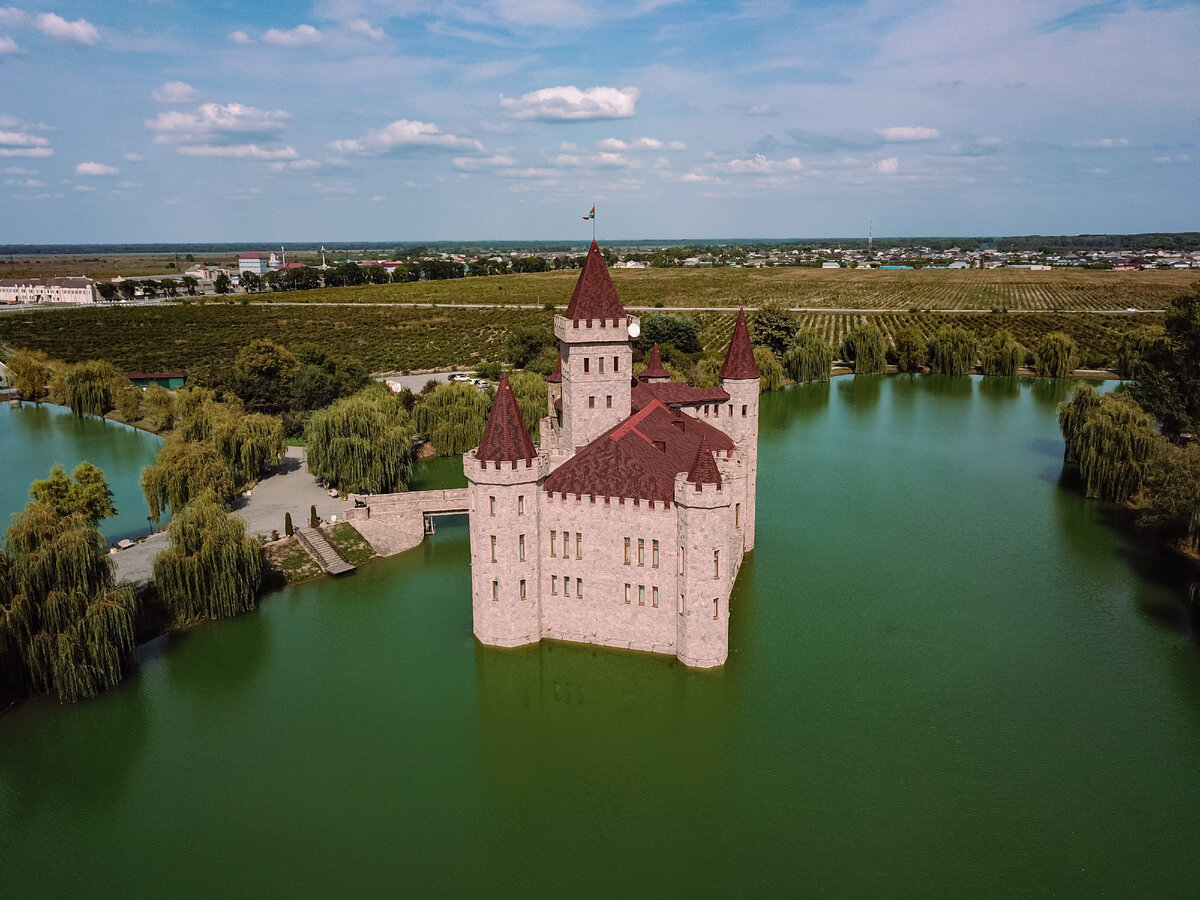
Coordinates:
[704,469]
[505,436]
[673,393]
[556,378]
[739,360]
[640,457]
[654,367]
[594,296]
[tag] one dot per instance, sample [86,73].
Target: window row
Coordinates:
[607,402]
[566,586]
[520,505]
[521,594]
[566,544]
[587,364]
[641,595]
[641,552]
[716,410]
[520,547]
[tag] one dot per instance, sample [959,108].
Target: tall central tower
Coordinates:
[596,356]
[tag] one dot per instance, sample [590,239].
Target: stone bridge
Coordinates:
[396,522]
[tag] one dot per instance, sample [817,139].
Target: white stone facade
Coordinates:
[47,290]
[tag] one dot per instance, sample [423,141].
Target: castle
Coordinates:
[626,527]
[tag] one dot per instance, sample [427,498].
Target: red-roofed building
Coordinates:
[627,526]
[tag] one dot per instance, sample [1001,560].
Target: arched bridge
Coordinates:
[396,522]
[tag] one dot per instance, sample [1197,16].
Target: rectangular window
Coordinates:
[743,410]
[578,587]
[554,585]
[553,541]
[522,588]
[737,515]
[716,564]
[608,401]
[493,548]
[716,607]
[491,506]
[566,544]
[681,604]
[706,410]
[716,410]
[591,402]
[626,551]
[641,551]
[578,545]
[616,364]
[641,595]
[731,409]
[587,364]
[654,554]
[566,586]
[627,593]
[495,590]
[654,598]
[600,363]
[520,506]
[521,547]
[681,560]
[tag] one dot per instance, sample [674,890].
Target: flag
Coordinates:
[592,214]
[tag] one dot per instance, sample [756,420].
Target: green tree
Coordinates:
[190,284]
[249,445]
[85,492]
[1001,354]
[866,347]
[377,275]
[210,567]
[362,443]
[32,370]
[810,357]
[952,351]
[525,342]
[1133,347]
[264,373]
[183,471]
[128,403]
[1111,439]
[769,368]
[677,329]
[251,282]
[91,386]
[221,284]
[531,390]
[774,326]
[1167,378]
[128,289]
[1173,481]
[911,349]
[1055,355]
[160,407]
[452,417]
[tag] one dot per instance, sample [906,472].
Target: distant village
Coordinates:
[273,271]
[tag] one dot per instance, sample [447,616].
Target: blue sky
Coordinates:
[346,120]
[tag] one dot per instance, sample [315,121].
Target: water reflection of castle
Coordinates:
[628,525]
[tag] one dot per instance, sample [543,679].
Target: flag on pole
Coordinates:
[592,214]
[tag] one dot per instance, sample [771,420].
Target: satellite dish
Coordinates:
[635,329]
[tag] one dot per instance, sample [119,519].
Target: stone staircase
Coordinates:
[325,554]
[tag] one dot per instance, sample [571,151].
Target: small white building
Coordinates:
[258,263]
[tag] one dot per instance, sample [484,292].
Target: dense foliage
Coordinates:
[1167,377]
[531,391]
[183,471]
[362,443]
[912,349]
[1001,354]
[810,357]
[31,371]
[1111,439]
[84,492]
[679,330]
[773,326]
[866,347]
[91,386]
[952,351]
[1133,347]
[452,417]
[769,368]
[1055,355]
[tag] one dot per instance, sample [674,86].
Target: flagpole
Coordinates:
[593,222]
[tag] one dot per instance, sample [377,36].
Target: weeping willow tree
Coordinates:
[810,358]
[64,626]
[452,417]
[128,403]
[1112,440]
[183,471]
[1055,355]
[90,387]
[708,372]
[866,347]
[769,368]
[1001,354]
[1133,347]
[952,351]
[32,371]
[362,443]
[911,349]
[248,445]
[530,389]
[160,407]
[210,568]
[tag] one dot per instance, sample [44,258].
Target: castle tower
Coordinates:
[596,356]
[554,389]
[654,370]
[502,488]
[739,377]
[706,564]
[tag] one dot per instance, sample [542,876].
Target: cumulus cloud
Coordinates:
[238,151]
[8,45]
[300,36]
[217,123]
[81,31]
[758,165]
[644,143]
[20,142]
[405,134]
[477,163]
[240,37]
[94,168]
[888,166]
[12,17]
[1103,144]
[570,104]
[365,29]
[132,157]
[24,183]
[908,133]
[176,92]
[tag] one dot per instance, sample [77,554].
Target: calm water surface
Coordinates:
[949,677]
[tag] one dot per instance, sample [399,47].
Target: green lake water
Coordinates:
[949,676]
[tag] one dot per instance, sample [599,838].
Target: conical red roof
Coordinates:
[654,367]
[556,378]
[505,437]
[595,297]
[739,359]
[704,469]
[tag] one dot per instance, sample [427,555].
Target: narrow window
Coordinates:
[495,590]
[716,564]
[681,560]
[493,548]
[737,515]
[587,364]
[553,541]
[579,587]
[616,364]
[731,409]
[716,607]
[554,585]
[566,586]
[521,547]
[591,402]
[706,410]
[654,554]
[600,363]
[641,551]
[522,588]
[654,598]
[626,551]
[520,506]
[608,401]
[578,545]
[743,410]
[681,604]
[566,544]
[626,593]
[716,410]
[491,506]
[641,595]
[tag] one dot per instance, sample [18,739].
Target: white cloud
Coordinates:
[379,198]
[908,133]
[888,166]
[761,109]
[94,168]
[24,183]
[176,92]
[81,31]
[238,151]
[365,29]
[300,36]
[240,37]
[1103,144]
[644,143]
[133,157]
[570,104]
[21,142]
[83,188]
[604,160]
[29,152]
[12,17]
[405,134]
[1169,160]
[474,164]
[759,165]
[8,45]
[217,123]
[17,170]
[296,165]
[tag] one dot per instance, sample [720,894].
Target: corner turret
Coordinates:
[739,378]
[654,370]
